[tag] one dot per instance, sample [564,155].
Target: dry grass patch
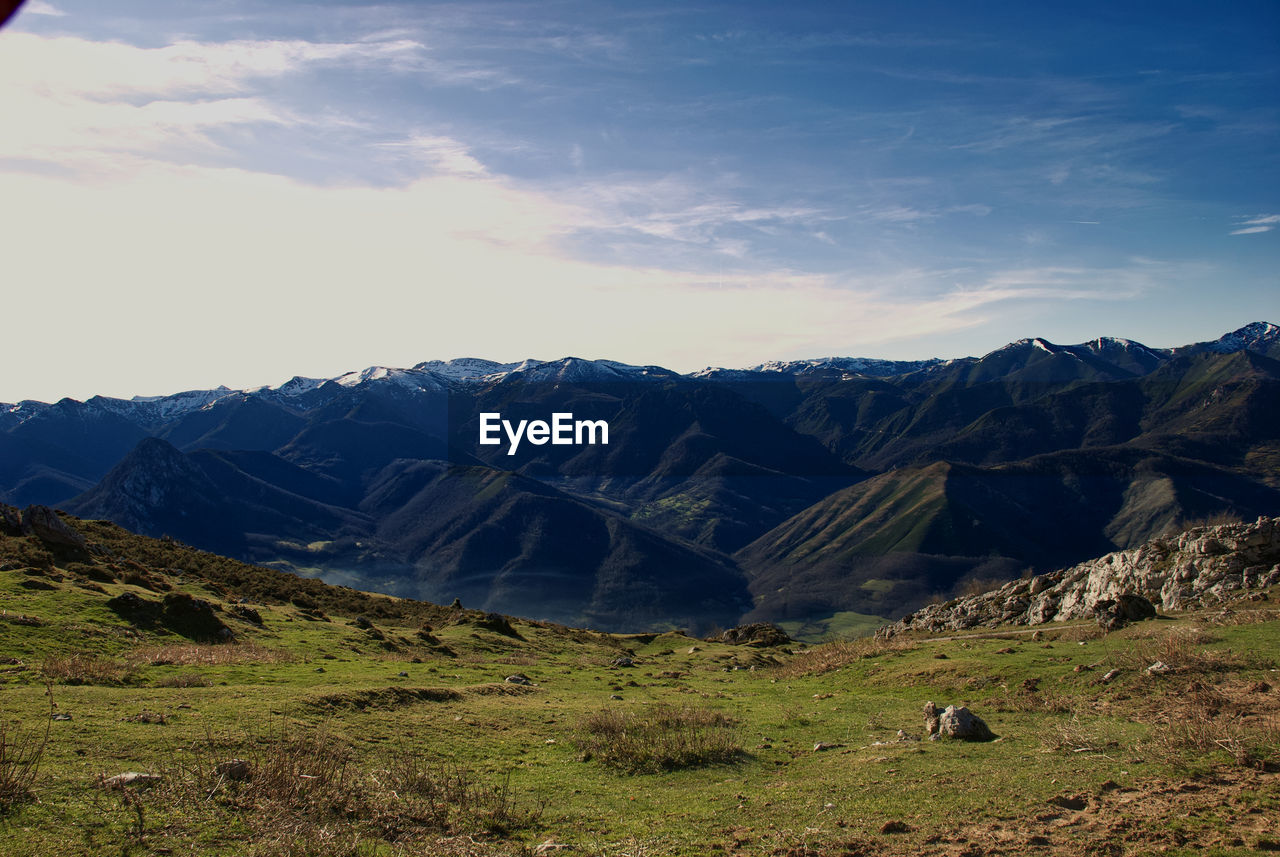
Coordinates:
[308,793]
[185,679]
[87,669]
[830,657]
[1202,723]
[1083,732]
[659,738]
[1182,650]
[1030,699]
[194,654]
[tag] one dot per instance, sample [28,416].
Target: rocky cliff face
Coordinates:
[1201,566]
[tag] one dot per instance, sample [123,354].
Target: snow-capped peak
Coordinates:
[411,379]
[869,366]
[473,369]
[1254,335]
[188,396]
[576,369]
[297,386]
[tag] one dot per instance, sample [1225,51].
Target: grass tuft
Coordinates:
[84,669]
[21,750]
[661,738]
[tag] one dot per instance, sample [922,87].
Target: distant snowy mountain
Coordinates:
[471,373]
[467,370]
[163,408]
[1259,336]
[576,371]
[867,366]
[409,379]
[793,488]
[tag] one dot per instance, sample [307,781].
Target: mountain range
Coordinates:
[785,491]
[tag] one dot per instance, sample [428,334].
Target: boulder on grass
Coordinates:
[958,723]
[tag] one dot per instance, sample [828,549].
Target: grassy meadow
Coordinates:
[328,721]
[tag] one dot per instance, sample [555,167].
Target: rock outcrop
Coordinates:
[1199,567]
[43,523]
[755,634]
[955,722]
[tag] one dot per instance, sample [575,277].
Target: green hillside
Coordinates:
[333,722]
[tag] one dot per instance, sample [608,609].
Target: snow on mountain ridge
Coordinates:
[410,379]
[577,370]
[1250,336]
[872,366]
[440,374]
[466,369]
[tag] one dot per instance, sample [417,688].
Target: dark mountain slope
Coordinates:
[206,499]
[690,458]
[884,545]
[494,538]
[61,450]
[241,422]
[1031,455]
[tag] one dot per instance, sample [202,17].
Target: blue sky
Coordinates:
[236,192]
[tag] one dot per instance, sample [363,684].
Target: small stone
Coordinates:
[1111,675]
[824,745]
[1158,668]
[129,779]
[402,674]
[62,715]
[518,678]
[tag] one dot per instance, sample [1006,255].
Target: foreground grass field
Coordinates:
[333,722]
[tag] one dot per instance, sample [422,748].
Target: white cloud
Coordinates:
[441,154]
[174,274]
[41,7]
[83,105]
[1252,225]
[70,66]
[178,276]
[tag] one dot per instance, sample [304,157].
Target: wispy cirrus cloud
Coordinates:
[1255,224]
[86,105]
[42,7]
[441,154]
